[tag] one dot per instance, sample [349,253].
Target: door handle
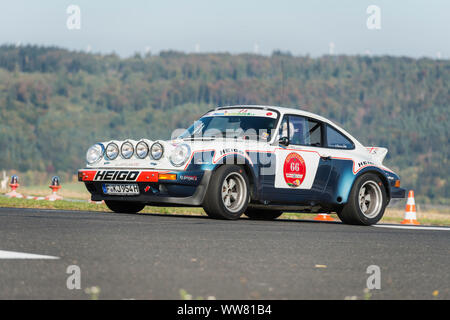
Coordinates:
[325,157]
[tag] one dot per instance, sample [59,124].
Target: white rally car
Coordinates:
[252,160]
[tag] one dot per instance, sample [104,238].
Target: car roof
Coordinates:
[282,110]
[285,110]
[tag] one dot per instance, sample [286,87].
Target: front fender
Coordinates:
[250,170]
[211,161]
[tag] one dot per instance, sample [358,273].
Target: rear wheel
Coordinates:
[228,193]
[262,214]
[124,206]
[366,203]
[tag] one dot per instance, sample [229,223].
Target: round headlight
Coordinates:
[157,151]
[142,149]
[94,153]
[180,154]
[127,150]
[112,151]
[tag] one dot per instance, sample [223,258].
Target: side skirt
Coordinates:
[301,209]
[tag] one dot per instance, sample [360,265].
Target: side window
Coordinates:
[315,133]
[336,140]
[297,130]
[302,131]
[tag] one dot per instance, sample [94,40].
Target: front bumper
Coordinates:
[187,189]
[398,193]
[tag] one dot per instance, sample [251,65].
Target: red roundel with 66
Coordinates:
[294,170]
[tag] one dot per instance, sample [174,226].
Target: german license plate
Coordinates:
[121,189]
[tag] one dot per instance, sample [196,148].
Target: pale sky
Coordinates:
[408,27]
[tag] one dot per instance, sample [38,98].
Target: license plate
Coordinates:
[121,189]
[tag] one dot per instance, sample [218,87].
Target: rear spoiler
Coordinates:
[378,154]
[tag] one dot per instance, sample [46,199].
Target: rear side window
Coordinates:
[335,139]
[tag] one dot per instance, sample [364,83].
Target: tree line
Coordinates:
[55,103]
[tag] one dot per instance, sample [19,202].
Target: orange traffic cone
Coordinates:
[410,211]
[323,217]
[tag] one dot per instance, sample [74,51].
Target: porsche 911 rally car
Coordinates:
[252,160]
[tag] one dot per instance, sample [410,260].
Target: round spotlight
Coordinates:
[112,151]
[127,150]
[157,151]
[142,150]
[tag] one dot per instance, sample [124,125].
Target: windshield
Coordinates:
[232,126]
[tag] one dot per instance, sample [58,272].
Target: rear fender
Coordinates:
[342,180]
[377,171]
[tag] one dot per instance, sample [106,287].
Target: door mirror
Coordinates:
[284,141]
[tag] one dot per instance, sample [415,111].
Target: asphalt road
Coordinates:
[154,256]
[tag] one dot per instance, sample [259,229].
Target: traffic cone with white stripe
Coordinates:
[323,217]
[410,211]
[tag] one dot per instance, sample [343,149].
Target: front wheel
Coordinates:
[124,206]
[366,203]
[228,193]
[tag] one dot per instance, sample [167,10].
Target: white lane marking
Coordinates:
[22,255]
[411,227]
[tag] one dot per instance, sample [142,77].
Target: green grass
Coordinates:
[391,216]
[43,204]
[86,206]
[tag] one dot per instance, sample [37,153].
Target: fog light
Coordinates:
[167,176]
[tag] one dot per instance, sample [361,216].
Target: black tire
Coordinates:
[124,206]
[214,204]
[352,211]
[262,214]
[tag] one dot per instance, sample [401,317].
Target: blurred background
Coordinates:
[73,73]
